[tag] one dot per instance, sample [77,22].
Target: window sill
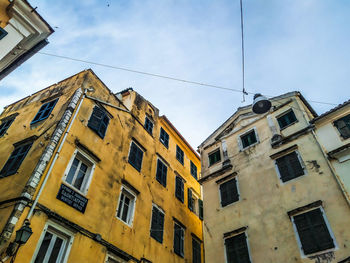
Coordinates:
[134,167]
[319,253]
[287,126]
[129,225]
[249,146]
[83,193]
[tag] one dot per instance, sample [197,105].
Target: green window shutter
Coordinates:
[189,199]
[200,205]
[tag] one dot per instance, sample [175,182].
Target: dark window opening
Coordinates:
[313,232]
[237,249]
[148,125]
[214,157]
[15,160]
[229,192]
[99,121]
[194,170]
[157,225]
[161,175]
[286,119]
[343,126]
[44,111]
[179,188]
[4,126]
[164,137]
[289,167]
[3,33]
[179,154]
[196,251]
[248,139]
[135,156]
[179,233]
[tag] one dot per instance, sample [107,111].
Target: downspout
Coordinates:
[30,213]
[331,168]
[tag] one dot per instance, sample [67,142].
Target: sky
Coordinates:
[290,45]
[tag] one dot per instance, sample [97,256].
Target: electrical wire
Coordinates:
[242,47]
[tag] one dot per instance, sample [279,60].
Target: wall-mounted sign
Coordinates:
[72,198]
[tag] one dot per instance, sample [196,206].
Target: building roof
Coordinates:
[331,111]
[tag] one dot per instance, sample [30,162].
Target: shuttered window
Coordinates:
[99,121]
[343,126]
[135,156]
[44,111]
[214,157]
[4,126]
[200,207]
[286,119]
[161,172]
[190,200]
[179,188]
[179,235]
[15,160]
[193,170]
[196,251]
[313,232]
[289,167]
[229,192]
[157,225]
[248,139]
[237,249]
[164,137]
[149,125]
[179,154]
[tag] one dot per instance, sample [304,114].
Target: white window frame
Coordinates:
[67,234]
[82,156]
[114,257]
[248,246]
[130,213]
[240,144]
[239,193]
[284,113]
[301,163]
[336,247]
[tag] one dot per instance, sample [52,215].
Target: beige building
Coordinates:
[333,132]
[269,194]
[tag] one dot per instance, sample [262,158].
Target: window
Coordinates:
[237,249]
[148,125]
[3,33]
[229,192]
[54,245]
[214,157]
[179,235]
[179,188]
[157,224]
[343,126]
[286,119]
[196,251]
[194,170]
[289,166]
[15,160]
[113,259]
[164,137]
[5,125]
[99,121]
[194,203]
[135,156]
[313,233]
[44,111]
[80,171]
[179,154]
[248,139]
[161,172]
[126,206]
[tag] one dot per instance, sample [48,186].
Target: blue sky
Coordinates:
[290,45]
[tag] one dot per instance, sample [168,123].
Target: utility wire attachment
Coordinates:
[242,41]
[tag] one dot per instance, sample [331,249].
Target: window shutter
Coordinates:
[189,199]
[95,119]
[200,205]
[295,164]
[177,239]
[237,249]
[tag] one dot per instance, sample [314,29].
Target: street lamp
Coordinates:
[261,104]
[24,233]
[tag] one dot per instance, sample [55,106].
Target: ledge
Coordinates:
[216,173]
[304,208]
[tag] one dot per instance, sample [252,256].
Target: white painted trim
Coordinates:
[67,234]
[114,257]
[329,230]
[131,215]
[240,145]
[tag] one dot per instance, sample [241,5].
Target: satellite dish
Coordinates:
[261,104]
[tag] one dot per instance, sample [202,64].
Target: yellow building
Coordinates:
[100,176]
[269,194]
[23,32]
[333,132]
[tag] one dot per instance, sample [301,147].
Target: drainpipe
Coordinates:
[30,213]
[341,186]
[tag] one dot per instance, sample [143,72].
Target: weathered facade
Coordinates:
[269,193]
[100,176]
[23,32]
[333,132]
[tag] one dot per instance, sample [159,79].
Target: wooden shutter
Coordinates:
[289,167]
[157,225]
[229,192]
[96,118]
[200,205]
[237,249]
[189,199]
[177,239]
